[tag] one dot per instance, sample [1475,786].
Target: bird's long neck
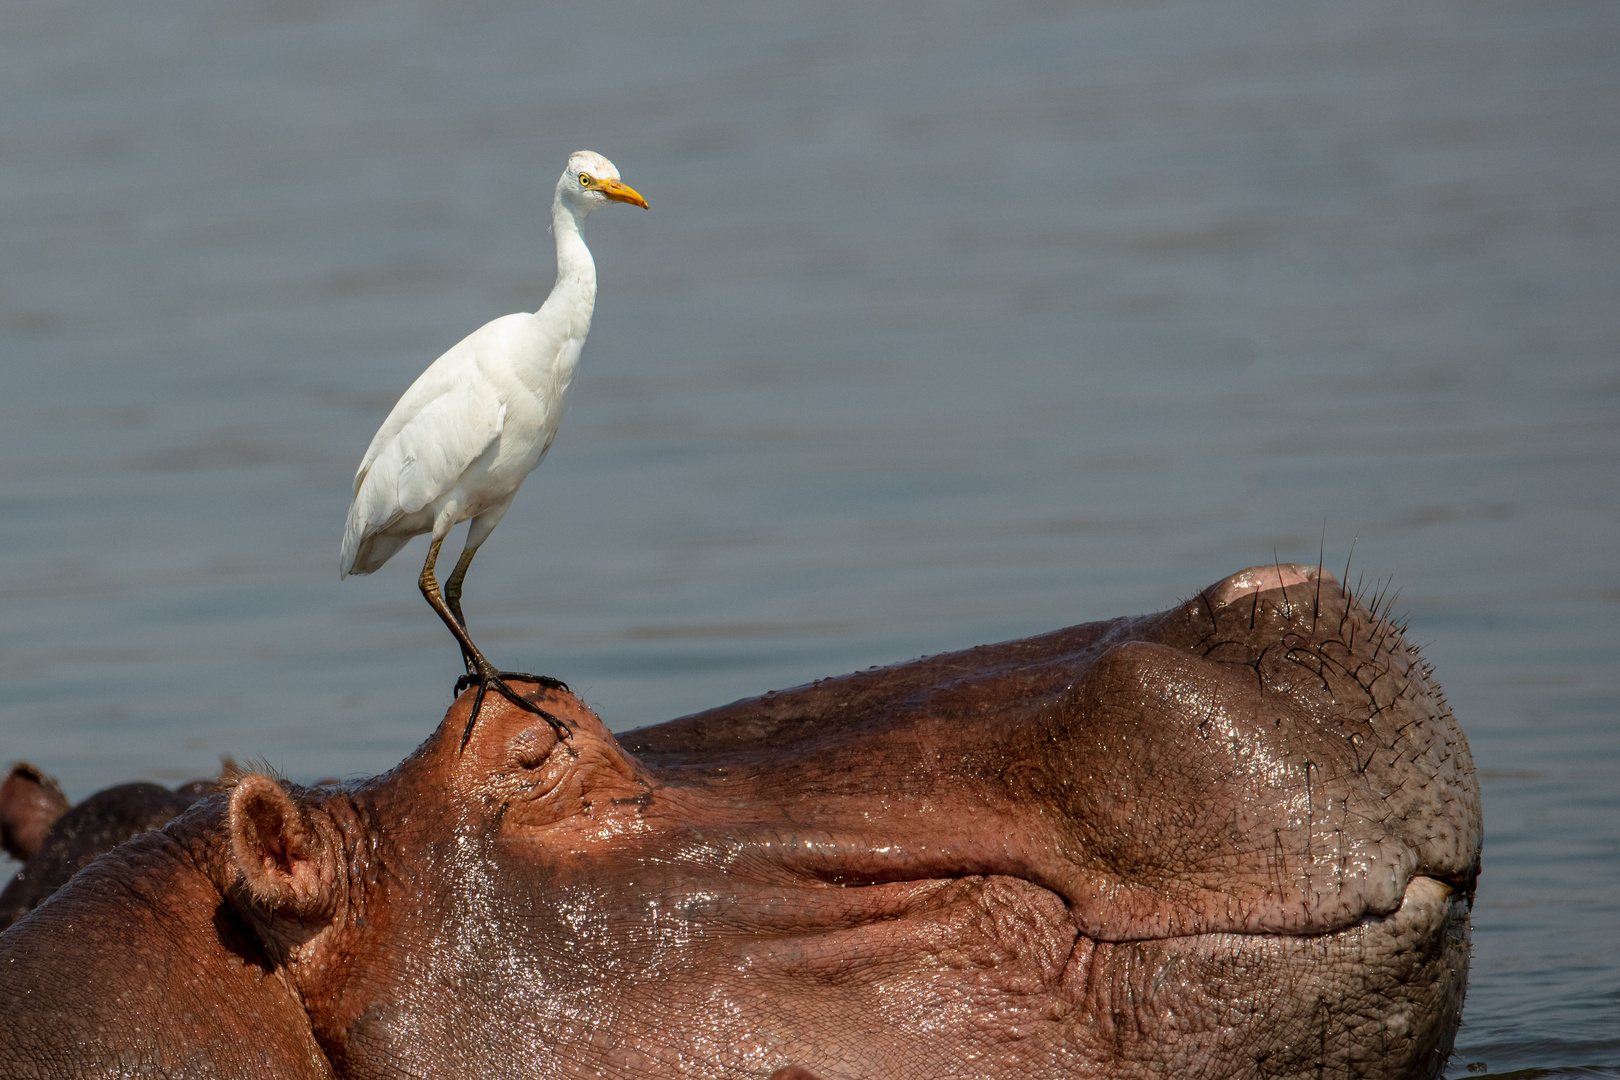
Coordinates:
[573,298]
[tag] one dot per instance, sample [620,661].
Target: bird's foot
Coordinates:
[546,681]
[489,679]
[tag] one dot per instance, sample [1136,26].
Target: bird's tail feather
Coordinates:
[373,551]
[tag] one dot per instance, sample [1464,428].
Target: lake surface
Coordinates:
[949,323]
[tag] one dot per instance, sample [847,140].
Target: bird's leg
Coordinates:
[452,598]
[487,677]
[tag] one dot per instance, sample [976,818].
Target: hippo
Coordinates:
[1238,838]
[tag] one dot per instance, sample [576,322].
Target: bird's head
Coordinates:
[591,180]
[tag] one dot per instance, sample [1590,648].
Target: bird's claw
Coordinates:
[544,680]
[493,680]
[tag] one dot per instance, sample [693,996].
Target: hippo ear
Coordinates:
[286,861]
[30,803]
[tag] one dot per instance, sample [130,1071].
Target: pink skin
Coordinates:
[1240,833]
[1246,584]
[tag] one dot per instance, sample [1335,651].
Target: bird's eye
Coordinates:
[584,179]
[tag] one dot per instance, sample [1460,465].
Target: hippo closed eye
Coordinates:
[1237,838]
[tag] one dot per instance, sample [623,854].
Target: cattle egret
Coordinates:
[457,446]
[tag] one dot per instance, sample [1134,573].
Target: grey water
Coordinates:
[948,323]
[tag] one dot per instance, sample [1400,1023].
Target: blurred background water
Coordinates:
[950,322]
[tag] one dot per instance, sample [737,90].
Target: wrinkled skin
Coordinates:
[1238,838]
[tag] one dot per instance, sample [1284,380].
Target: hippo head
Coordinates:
[1238,837]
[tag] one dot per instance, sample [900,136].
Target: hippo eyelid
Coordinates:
[528,750]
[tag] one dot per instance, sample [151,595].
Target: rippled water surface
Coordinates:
[949,323]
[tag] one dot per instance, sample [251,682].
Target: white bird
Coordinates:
[458,444]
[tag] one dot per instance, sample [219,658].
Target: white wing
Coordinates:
[448,418]
[431,452]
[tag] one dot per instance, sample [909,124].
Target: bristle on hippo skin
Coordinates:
[232,772]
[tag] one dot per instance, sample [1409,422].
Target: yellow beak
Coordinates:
[619,191]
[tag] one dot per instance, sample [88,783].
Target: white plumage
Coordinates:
[458,444]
